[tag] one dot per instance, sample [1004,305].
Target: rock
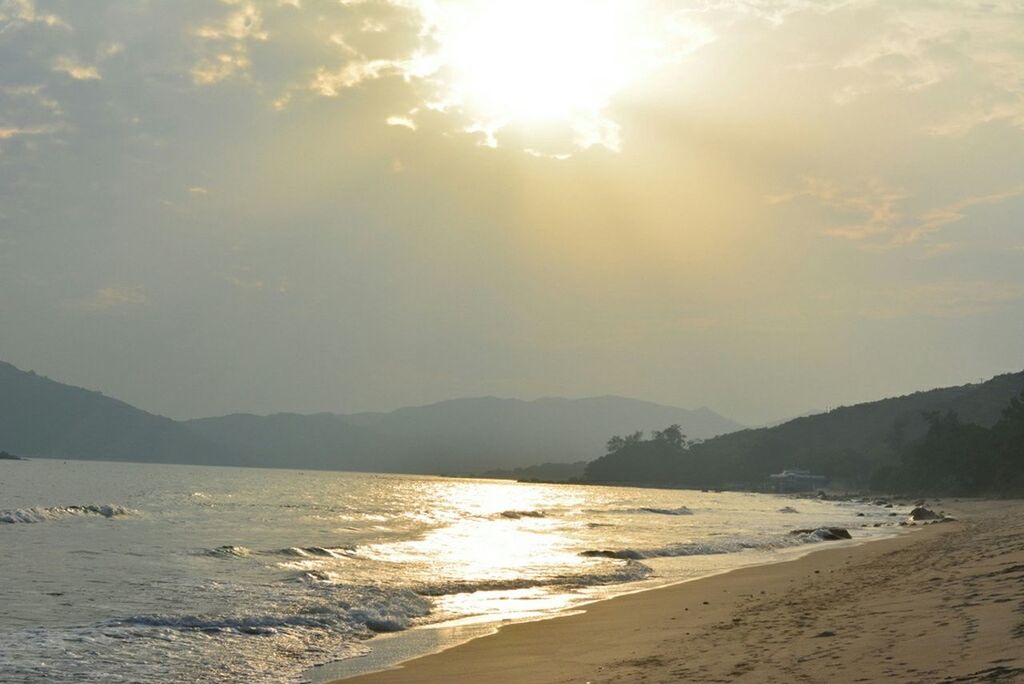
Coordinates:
[788,509]
[826,633]
[922,513]
[860,515]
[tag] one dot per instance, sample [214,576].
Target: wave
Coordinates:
[359,611]
[38,515]
[316,552]
[794,538]
[682,510]
[228,551]
[235,551]
[516,515]
[628,572]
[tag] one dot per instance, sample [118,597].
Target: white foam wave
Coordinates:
[516,515]
[628,572]
[44,514]
[316,552]
[714,548]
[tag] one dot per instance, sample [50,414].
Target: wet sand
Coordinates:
[943,604]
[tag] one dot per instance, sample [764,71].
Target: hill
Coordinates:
[847,444]
[466,436]
[42,417]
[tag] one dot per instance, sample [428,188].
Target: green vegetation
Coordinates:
[961,439]
[963,458]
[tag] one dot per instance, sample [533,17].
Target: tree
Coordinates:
[673,435]
[617,443]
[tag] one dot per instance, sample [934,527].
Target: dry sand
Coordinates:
[943,604]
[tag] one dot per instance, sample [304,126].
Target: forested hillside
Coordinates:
[849,444]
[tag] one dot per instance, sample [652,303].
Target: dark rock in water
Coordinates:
[826,533]
[5,456]
[826,633]
[922,513]
[860,515]
[788,509]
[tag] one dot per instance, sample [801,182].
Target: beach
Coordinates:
[944,603]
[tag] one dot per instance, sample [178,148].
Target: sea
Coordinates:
[121,572]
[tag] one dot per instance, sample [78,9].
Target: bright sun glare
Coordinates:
[537,61]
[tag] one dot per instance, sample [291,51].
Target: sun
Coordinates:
[536,61]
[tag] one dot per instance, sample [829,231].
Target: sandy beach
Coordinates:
[942,604]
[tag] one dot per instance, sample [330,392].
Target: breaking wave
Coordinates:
[38,515]
[628,572]
[228,551]
[795,538]
[359,613]
[682,510]
[516,515]
[316,552]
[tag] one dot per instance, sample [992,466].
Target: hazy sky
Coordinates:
[763,206]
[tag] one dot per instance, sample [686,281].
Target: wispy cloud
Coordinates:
[946,299]
[25,12]
[113,298]
[880,222]
[76,69]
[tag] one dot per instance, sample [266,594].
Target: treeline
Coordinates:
[856,448]
[955,457]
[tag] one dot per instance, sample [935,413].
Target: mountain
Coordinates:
[45,418]
[848,444]
[41,417]
[459,436]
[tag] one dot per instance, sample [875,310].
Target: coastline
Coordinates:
[941,604]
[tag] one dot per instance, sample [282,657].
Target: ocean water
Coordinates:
[119,572]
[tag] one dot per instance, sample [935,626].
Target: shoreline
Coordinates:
[781,621]
[394,650]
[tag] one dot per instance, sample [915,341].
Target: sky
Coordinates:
[762,206]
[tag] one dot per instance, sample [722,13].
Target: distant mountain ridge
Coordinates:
[459,435]
[45,418]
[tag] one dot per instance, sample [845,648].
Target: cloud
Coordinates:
[880,222]
[13,132]
[946,299]
[934,220]
[219,67]
[75,69]
[874,208]
[24,12]
[113,298]
[331,83]
[403,121]
[229,38]
[968,57]
[242,24]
